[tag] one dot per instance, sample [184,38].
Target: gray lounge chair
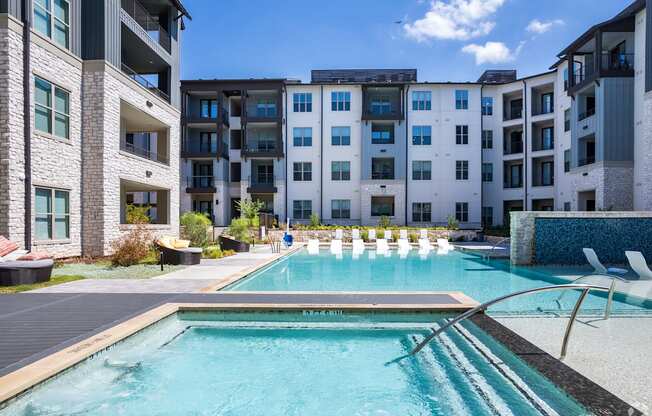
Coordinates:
[25,272]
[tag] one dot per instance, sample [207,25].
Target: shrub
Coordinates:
[212,252]
[194,228]
[396,235]
[249,209]
[453,224]
[364,234]
[239,230]
[314,220]
[384,221]
[413,237]
[137,215]
[131,248]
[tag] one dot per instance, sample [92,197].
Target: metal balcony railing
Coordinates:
[148,22]
[543,144]
[586,114]
[260,146]
[143,152]
[617,62]
[382,175]
[200,181]
[200,147]
[586,161]
[513,115]
[513,149]
[144,82]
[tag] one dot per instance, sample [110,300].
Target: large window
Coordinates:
[421,170]
[341,171]
[302,171]
[382,168]
[51,109]
[302,136]
[487,172]
[302,209]
[340,101]
[462,170]
[52,209]
[382,133]
[547,103]
[547,138]
[462,211]
[547,173]
[421,212]
[340,209]
[236,172]
[381,105]
[487,216]
[421,135]
[208,108]
[302,102]
[266,107]
[341,136]
[567,119]
[567,160]
[461,99]
[421,100]
[52,19]
[462,134]
[487,139]
[382,205]
[487,106]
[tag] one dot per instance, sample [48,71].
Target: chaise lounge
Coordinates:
[18,267]
[177,252]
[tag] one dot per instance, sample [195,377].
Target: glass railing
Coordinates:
[585,114]
[142,80]
[143,152]
[199,147]
[513,149]
[586,161]
[262,179]
[260,146]
[200,181]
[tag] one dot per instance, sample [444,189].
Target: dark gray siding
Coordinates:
[616,119]
[93,29]
[75,26]
[648,45]
[13,7]
[112,36]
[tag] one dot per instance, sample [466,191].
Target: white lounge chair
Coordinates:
[336,247]
[424,241]
[404,244]
[387,235]
[358,246]
[355,234]
[339,234]
[371,235]
[598,267]
[423,234]
[638,264]
[402,234]
[313,246]
[443,244]
[382,246]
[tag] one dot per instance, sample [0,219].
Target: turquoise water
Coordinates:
[456,271]
[293,364]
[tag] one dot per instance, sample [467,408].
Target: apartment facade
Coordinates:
[89,121]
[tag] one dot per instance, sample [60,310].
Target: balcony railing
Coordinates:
[513,115]
[586,114]
[382,175]
[544,144]
[513,149]
[200,182]
[199,148]
[512,185]
[261,183]
[260,146]
[589,160]
[148,22]
[617,62]
[143,152]
[144,82]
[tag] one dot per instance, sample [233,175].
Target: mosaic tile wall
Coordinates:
[560,240]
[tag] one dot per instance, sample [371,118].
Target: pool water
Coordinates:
[294,364]
[455,271]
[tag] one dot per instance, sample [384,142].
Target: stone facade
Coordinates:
[612,182]
[643,155]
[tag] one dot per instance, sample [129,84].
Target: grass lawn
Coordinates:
[56,280]
[104,270]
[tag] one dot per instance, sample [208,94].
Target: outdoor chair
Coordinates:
[18,267]
[174,251]
[371,235]
[443,244]
[598,267]
[313,246]
[638,264]
[388,235]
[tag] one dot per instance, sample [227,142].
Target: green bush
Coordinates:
[384,221]
[413,237]
[239,230]
[396,235]
[195,225]
[132,247]
[314,220]
[453,224]
[364,235]
[250,209]
[137,214]
[212,252]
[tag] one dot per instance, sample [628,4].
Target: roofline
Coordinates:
[183,10]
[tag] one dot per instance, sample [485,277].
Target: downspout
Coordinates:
[481,156]
[321,153]
[287,214]
[525,143]
[407,147]
[27,126]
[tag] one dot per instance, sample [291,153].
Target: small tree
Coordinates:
[239,229]
[453,224]
[384,221]
[314,221]
[194,228]
[250,209]
[137,214]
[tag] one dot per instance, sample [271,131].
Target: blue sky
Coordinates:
[446,40]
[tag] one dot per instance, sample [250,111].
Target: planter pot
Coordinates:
[227,243]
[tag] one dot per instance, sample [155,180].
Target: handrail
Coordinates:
[482,307]
[612,289]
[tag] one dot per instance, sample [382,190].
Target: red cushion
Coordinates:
[35,255]
[6,246]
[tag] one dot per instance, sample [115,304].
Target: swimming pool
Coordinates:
[480,279]
[299,363]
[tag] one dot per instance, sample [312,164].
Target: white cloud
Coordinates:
[537,26]
[455,19]
[492,52]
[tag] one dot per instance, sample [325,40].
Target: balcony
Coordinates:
[589,160]
[610,65]
[149,23]
[262,107]
[200,184]
[586,114]
[262,183]
[143,152]
[513,148]
[143,135]
[382,103]
[145,82]
[261,147]
[194,148]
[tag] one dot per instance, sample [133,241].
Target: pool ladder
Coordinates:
[572,286]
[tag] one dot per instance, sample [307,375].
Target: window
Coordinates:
[382,133]
[461,99]
[421,135]
[208,108]
[565,79]
[547,174]
[302,136]
[302,102]
[52,19]
[421,100]
[487,172]
[462,134]
[302,209]
[421,212]
[207,142]
[382,205]
[236,172]
[341,136]
[381,105]
[340,101]
[547,103]
[487,106]
[302,171]
[513,176]
[487,216]
[567,206]
[567,119]
[340,209]
[382,168]
[266,107]
[547,138]
[52,214]
[462,170]
[421,170]
[341,171]
[487,139]
[51,109]
[462,211]
[567,160]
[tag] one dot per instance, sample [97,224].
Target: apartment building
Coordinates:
[89,120]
